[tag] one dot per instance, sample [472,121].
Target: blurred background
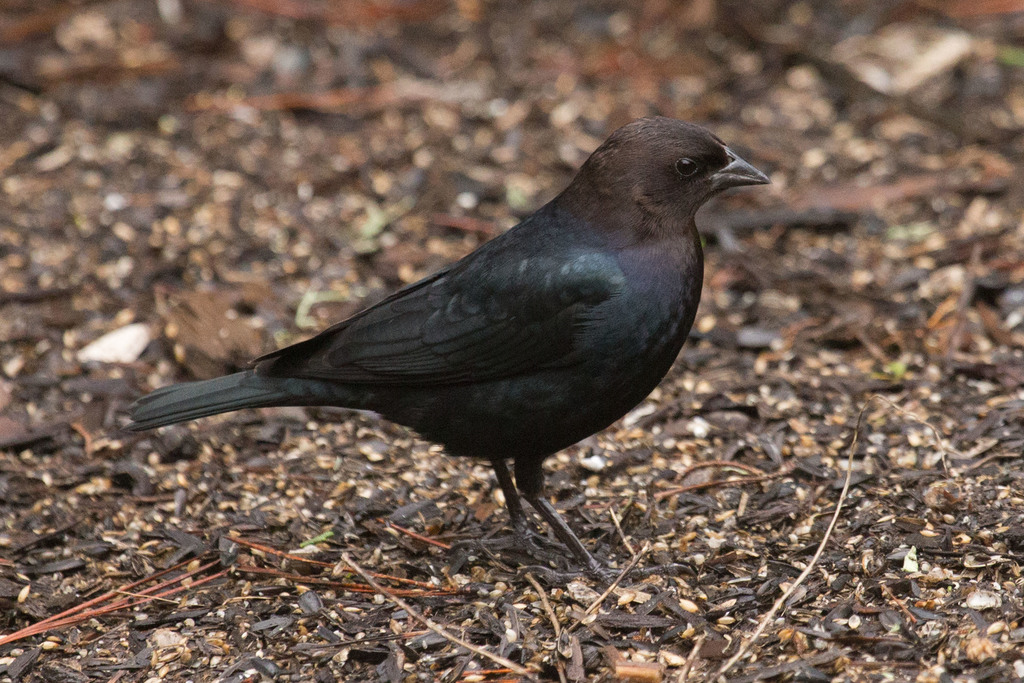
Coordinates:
[186,184]
[309,156]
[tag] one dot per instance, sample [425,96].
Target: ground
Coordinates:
[213,179]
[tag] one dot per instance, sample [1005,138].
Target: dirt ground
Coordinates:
[211,179]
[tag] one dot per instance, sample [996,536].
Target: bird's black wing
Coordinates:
[478,320]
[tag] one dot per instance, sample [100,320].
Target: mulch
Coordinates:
[206,180]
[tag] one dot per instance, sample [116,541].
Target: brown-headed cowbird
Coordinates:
[539,338]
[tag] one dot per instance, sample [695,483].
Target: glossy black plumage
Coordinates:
[543,336]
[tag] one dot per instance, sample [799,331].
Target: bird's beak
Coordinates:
[737,173]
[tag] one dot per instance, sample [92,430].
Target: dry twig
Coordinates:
[94,607]
[739,481]
[618,527]
[615,584]
[939,441]
[684,672]
[433,625]
[553,618]
[899,603]
[770,615]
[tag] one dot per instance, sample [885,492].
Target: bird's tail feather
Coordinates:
[191,400]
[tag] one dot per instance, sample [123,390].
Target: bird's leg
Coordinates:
[530,480]
[523,539]
[565,534]
[516,514]
[594,567]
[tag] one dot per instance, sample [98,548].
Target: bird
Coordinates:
[541,337]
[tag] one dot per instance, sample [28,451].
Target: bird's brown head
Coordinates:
[654,173]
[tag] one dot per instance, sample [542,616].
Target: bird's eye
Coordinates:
[687,168]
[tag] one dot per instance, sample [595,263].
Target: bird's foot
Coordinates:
[608,575]
[561,577]
[521,543]
[669,569]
